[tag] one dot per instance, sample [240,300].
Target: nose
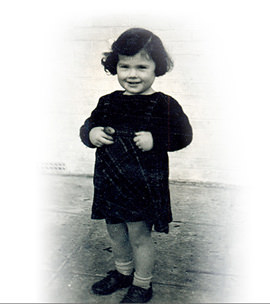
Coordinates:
[132,73]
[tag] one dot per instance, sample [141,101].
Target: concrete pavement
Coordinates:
[195,262]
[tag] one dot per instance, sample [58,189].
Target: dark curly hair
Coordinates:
[130,43]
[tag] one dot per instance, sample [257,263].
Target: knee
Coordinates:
[118,234]
[139,241]
[139,235]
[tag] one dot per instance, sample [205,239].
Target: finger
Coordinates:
[136,138]
[99,142]
[108,137]
[106,141]
[109,130]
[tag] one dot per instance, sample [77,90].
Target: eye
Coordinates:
[123,66]
[142,67]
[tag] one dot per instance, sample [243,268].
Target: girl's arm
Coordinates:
[84,132]
[95,120]
[173,130]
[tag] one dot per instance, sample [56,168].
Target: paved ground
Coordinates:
[195,262]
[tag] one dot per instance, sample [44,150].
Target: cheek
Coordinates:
[119,75]
[152,77]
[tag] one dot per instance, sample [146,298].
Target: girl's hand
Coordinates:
[144,140]
[99,138]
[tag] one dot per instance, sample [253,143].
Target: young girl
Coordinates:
[132,130]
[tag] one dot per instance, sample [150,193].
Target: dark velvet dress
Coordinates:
[132,185]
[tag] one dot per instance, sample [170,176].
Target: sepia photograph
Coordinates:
[135,154]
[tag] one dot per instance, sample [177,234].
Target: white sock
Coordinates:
[141,282]
[126,268]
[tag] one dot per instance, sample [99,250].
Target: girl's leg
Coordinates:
[122,276]
[143,249]
[120,242]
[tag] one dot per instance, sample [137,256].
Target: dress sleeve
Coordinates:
[172,131]
[95,120]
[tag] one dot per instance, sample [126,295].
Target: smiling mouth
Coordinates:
[133,83]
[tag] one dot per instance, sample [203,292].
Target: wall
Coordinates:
[78,80]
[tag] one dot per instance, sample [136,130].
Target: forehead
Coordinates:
[141,56]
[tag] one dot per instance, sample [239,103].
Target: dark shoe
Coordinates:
[137,294]
[112,282]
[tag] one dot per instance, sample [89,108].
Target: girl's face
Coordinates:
[136,74]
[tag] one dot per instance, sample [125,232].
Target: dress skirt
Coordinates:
[131,185]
